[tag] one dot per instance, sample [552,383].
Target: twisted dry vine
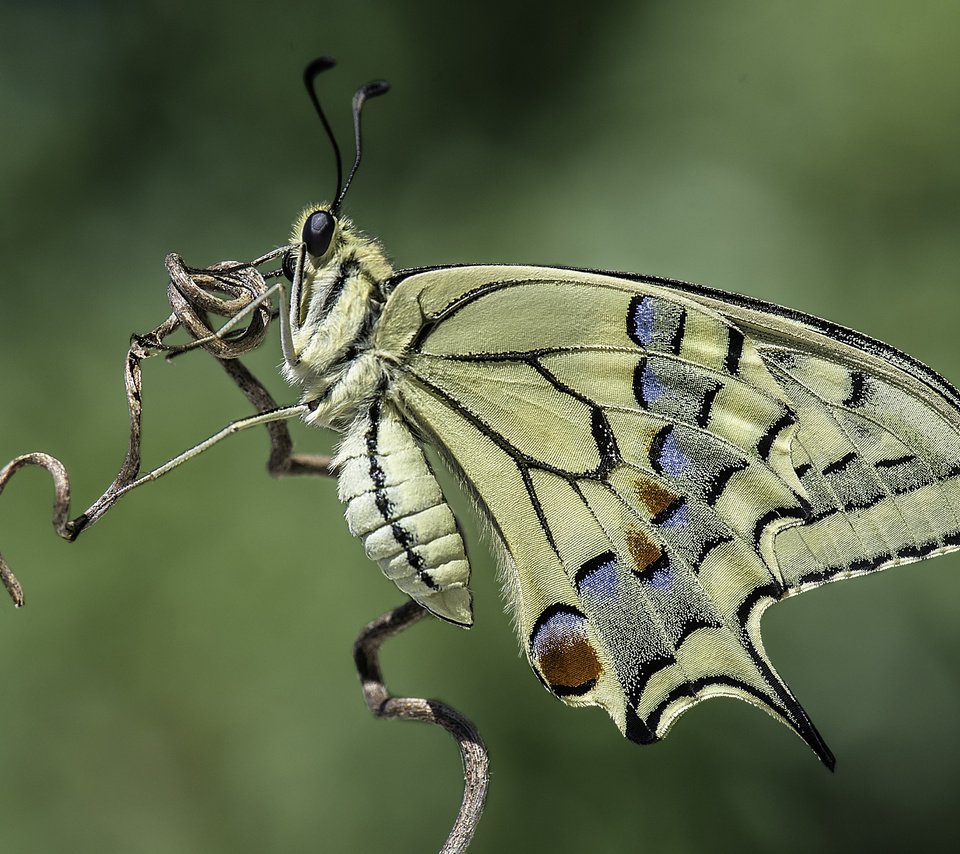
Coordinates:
[476,772]
[238,291]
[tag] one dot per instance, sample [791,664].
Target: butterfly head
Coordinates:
[327,252]
[317,236]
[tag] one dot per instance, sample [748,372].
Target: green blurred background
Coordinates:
[181,679]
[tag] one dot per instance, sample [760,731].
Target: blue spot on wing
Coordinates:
[679,518]
[651,386]
[598,577]
[558,628]
[662,578]
[643,321]
[672,460]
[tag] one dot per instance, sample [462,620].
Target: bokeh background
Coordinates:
[181,678]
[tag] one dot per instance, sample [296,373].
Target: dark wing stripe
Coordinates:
[703,416]
[710,545]
[899,461]
[638,383]
[720,481]
[695,624]
[879,561]
[668,511]
[645,672]
[656,447]
[772,516]
[677,340]
[805,728]
[795,713]
[591,566]
[866,502]
[858,390]
[765,445]
[523,461]
[839,465]
[605,441]
[735,343]
[658,565]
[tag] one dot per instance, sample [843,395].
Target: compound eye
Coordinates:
[318,232]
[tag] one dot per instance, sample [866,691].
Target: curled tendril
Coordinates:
[193,294]
[61,509]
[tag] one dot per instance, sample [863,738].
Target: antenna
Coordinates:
[370,90]
[310,74]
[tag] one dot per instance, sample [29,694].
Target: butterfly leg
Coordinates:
[283,462]
[382,704]
[286,331]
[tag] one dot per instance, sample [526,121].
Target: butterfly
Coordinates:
[657,462]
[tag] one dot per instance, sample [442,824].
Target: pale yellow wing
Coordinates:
[636,449]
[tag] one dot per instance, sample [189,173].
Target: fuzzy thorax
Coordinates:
[331,321]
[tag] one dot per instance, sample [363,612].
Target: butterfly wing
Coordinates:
[877,450]
[635,447]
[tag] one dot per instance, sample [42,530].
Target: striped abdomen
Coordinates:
[395,505]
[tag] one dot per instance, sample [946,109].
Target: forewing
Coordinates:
[877,447]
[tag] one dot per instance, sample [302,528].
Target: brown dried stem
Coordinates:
[476,766]
[192,294]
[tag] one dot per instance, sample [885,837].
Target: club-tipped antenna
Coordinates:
[370,90]
[310,74]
